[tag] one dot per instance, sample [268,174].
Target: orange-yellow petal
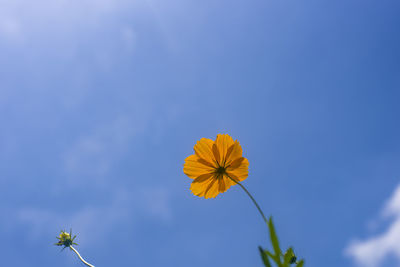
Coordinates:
[236,163]
[223,142]
[203,149]
[228,181]
[234,152]
[212,189]
[194,167]
[216,154]
[240,172]
[200,184]
[225,183]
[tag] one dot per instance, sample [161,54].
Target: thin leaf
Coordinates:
[274,237]
[300,263]
[264,257]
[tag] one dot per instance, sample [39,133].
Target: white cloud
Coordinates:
[128,37]
[65,16]
[63,25]
[88,221]
[10,28]
[372,251]
[125,208]
[156,202]
[392,207]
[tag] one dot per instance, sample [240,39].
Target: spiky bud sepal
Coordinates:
[65,239]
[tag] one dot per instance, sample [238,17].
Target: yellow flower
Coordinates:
[215,166]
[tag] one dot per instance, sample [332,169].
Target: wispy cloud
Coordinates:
[93,155]
[66,26]
[124,208]
[10,28]
[372,251]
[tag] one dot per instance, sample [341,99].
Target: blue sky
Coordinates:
[101,102]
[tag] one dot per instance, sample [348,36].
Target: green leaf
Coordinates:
[288,257]
[300,263]
[264,257]
[274,237]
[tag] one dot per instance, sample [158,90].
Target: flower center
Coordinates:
[220,170]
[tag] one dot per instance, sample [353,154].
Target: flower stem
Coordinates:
[252,198]
[77,253]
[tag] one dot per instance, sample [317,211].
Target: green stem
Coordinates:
[252,198]
[77,253]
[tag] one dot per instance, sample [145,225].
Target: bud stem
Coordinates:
[77,253]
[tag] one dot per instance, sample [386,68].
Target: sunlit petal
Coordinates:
[194,167]
[241,172]
[200,184]
[212,189]
[234,152]
[236,163]
[203,149]
[223,142]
